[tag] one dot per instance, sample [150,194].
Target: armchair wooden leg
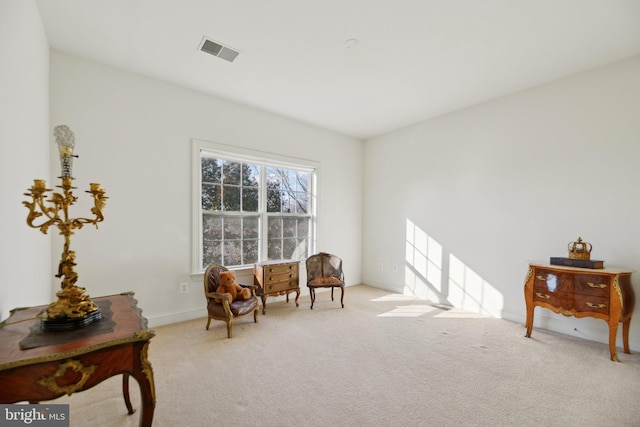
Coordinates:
[331,294]
[312,293]
[255,315]
[208,323]
[229,328]
[342,297]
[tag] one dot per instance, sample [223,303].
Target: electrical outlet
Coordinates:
[394,268]
[184,287]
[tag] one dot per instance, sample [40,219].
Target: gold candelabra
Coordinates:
[73,308]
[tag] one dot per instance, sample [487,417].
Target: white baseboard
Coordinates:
[176,317]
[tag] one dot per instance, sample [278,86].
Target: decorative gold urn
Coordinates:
[579,249]
[73,309]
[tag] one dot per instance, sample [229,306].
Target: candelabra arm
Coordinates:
[99,202]
[49,213]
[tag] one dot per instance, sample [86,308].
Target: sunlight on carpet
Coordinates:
[416,310]
[408,311]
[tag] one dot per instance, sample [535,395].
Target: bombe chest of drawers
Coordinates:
[276,278]
[604,294]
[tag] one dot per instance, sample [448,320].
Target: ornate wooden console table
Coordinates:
[605,294]
[38,366]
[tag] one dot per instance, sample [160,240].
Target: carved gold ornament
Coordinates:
[51,382]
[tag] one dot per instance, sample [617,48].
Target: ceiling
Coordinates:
[413,59]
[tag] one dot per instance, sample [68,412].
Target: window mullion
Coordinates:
[264,218]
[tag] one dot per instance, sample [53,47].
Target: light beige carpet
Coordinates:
[383,360]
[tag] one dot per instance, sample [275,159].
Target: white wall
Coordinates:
[25,253]
[492,187]
[133,135]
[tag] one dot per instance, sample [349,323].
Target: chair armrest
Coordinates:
[218,295]
[253,288]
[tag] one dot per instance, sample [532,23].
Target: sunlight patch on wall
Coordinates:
[469,291]
[428,276]
[423,269]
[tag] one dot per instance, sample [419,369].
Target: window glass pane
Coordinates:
[251,228]
[231,172]
[232,253]
[231,198]
[302,203]
[286,202]
[291,181]
[212,253]
[250,251]
[303,228]
[275,249]
[211,227]
[250,175]
[304,181]
[210,197]
[273,174]
[249,199]
[275,227]
[288,248]
[289,227]
[274,200]
[232,228]
[210,170]
[301,249]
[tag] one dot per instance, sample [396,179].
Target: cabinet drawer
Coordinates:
[270,270]
[279,287]
[268,280]
[560,300]
[550,281]
[591,304]
[592,285]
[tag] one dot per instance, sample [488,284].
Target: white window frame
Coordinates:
[261,158]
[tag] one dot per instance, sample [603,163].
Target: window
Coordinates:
[251,206]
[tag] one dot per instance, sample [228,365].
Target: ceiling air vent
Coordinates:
[216,49]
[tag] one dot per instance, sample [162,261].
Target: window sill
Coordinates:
[240,271]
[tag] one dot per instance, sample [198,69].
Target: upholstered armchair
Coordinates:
[224,310]
[324,271]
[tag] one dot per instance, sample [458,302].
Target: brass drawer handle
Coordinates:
[589,304]
[543,296]
[593,285]
[541,278]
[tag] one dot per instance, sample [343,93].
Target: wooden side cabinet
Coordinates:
[605,294]
[276,278]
